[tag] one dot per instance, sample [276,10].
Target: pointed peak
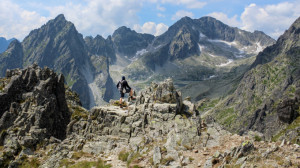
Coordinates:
[60,17]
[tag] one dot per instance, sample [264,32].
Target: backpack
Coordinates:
[120,86]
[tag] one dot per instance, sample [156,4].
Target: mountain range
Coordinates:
[193,52]
[267,98]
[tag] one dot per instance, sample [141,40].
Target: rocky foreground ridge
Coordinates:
[43,125]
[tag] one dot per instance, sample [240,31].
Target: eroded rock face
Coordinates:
[32,107]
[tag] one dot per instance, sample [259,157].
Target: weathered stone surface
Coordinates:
[33,108]
[156,155]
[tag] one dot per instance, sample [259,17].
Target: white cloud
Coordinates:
[193,4]
[151,28]
[271,19]
[161,15]
[182,13]
[17,22]
[225,19]
[160,8]
[90,17]
[100,16]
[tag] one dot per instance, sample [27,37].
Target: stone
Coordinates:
[95,147]
[156,155]
[185,161]
[282,143]
[241,160]
[208,163]
[217,154]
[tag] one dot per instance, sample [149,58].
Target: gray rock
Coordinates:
[95,147]
[185,161]
[241,160]
[208,163]
[156,155]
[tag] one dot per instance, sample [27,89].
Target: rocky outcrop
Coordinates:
[158,115]
[33,109]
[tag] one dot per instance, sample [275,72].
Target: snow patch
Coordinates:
[225,64]
[202,35]
[157,47]
[138,54]
[212,55]
[212,76]
[141,52]
[259,48]
[201,47]
[225,42]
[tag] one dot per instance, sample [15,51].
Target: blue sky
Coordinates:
[92,17]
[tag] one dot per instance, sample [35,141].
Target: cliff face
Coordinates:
[267,98]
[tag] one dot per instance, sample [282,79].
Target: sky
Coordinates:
[103,17]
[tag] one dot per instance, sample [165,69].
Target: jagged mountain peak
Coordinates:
[286,42]
[14,43]
[4,43]
[60,17]
[123,29]
[128,42]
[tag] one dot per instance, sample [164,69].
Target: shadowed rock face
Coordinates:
[32,106]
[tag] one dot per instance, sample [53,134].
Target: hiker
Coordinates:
[123,87]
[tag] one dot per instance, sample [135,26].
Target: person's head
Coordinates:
[123,77]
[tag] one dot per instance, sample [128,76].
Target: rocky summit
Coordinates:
[43,125]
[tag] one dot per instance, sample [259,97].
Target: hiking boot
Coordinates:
[121,106]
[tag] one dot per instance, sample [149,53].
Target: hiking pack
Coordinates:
[121,87]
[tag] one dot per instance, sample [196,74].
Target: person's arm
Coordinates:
[118,84]
[126,84]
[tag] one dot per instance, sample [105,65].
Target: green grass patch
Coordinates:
[84,164]
[257,138]
[79,112]
[167,160]
[207,105]
[123,155]
[133,159]
[80,154]
[226,116]
[30,163]
[117,103]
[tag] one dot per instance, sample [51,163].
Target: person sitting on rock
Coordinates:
[123,87]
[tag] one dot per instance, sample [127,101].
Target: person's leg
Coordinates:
[131,92]
[122,96]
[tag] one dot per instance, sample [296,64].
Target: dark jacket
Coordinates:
[125,84]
